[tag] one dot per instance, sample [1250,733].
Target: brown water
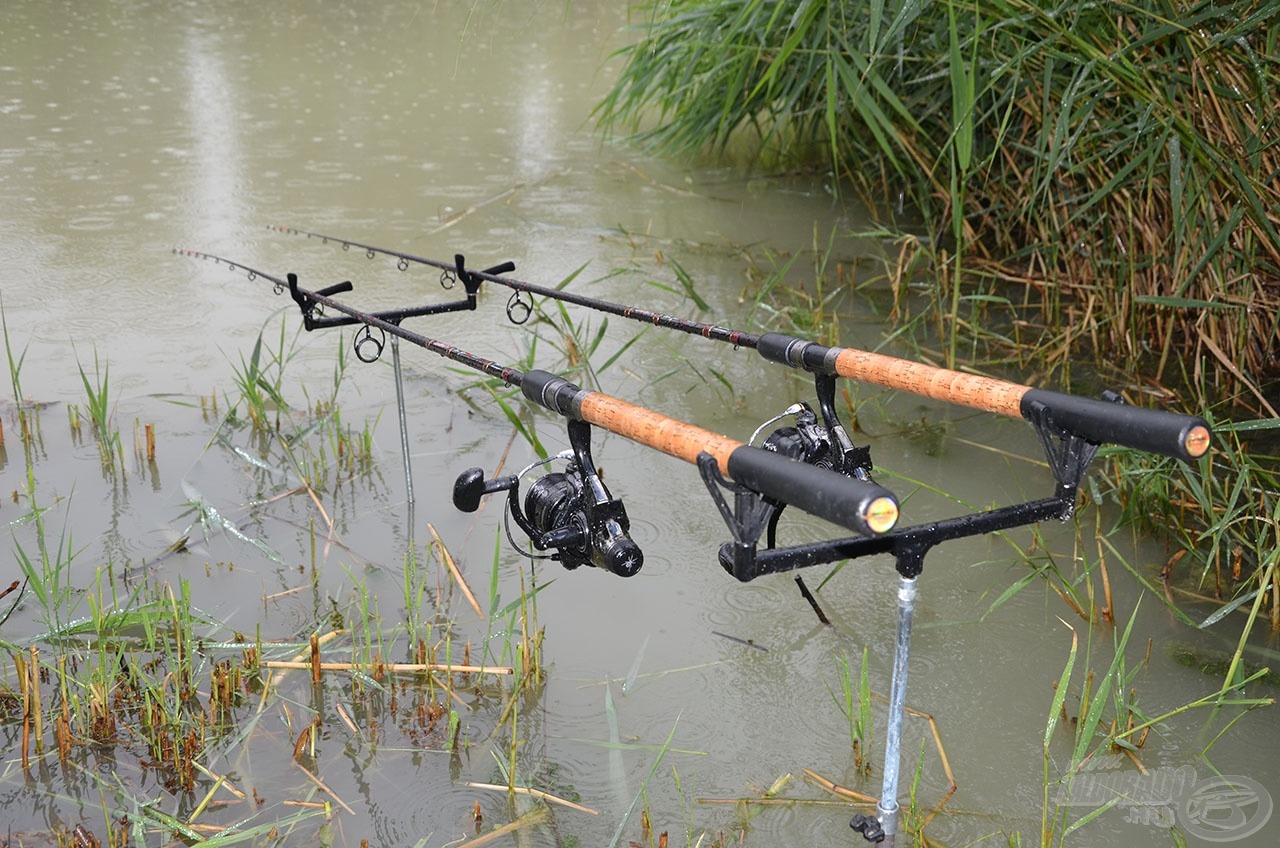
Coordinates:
[128,129]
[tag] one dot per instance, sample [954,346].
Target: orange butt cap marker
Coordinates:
[1197,441]
[881,515]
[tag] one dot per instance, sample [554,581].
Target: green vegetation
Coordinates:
[112,661]
[1093,176]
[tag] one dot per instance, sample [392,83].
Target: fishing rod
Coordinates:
[1099,421]
[573,512]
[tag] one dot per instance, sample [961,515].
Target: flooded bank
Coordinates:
[679,696]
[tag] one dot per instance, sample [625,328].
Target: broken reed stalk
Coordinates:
[151,441]
[267,684]
[34,687]
[314,778]
[533,793]
[62,725]
[535,816]
[453,570]
[838,790]
[24,685]
[390,668]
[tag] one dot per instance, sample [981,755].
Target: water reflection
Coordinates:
[214,210]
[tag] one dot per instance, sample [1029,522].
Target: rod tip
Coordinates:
[881,514]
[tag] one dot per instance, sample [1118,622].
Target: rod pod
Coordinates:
[856,504]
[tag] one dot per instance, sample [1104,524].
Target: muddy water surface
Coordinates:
[129,129]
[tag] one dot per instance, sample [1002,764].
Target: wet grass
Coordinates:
[100,412]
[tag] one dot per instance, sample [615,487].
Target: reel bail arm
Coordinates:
[847,458]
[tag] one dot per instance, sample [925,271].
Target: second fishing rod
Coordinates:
[1097,421]
[574,513]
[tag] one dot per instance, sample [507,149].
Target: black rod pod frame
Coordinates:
[571,512]
[1068,456]
[313,317]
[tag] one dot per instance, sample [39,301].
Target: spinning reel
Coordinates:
[818,441]
[570,511]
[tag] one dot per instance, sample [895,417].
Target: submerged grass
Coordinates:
[123,667]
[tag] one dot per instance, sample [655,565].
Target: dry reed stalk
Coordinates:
[952,786]
[36,708]
[390,668]
[271,677]
[534,816]
[1275,601]
[346,719]
[533,793]
[470,210]
[219,780]
[324,788]
[62,725]
[838,790]
[24,687]
[936,732]
[1108,609]
[453,570]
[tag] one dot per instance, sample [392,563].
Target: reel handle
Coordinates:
[471,486]
[336,288]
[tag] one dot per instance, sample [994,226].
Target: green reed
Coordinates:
[854,702]
[15,362]
[99,410]
[1162,256]
[260,380]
